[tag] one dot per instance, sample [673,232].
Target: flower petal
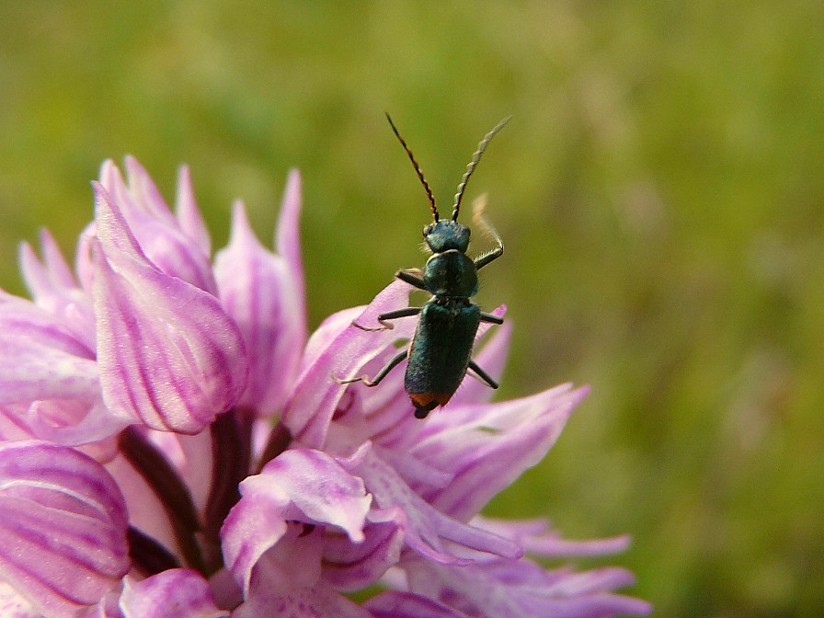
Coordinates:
[41,359]
[170,594]
[426,529]
[55,290]
[536,537]
[287,239]
[168,353]
[408,605]
[75,423]
[188,214]
[299,485]
[53,374]
[286,582]
[265,298]
[488,446]
[354,566]
[50,278]
[157,231]
[503,589]
[13,605]
[62,527]
[318,601]
[339,354]
[13,425]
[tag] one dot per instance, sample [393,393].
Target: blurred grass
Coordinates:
[659,189]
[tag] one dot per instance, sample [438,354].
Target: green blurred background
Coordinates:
[659,188]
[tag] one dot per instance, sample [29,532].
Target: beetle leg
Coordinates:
[492,319]
[483,375]
[380,375]
[389,367]
[389,315]
[485,258]
[413,277]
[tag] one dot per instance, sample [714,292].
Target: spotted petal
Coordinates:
[299,485]
[318,601]
[170,594]
[408,605]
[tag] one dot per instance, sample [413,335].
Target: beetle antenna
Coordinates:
[417,169]
[476,156]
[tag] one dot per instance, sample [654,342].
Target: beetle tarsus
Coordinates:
[373,329]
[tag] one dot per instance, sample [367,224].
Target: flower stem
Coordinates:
[279,441]
[231,453]
[147,555]
[167,485]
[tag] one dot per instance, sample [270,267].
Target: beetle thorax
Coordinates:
[451,273]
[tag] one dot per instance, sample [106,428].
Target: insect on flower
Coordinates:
[440,352]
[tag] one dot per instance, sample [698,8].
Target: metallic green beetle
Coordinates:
[440,352]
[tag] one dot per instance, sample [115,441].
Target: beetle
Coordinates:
[440,352]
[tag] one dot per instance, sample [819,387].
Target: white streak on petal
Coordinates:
[62,527]
[14,605]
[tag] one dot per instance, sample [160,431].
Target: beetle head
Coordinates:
[444,235]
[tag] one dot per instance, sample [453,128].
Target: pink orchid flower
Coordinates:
[172,443]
